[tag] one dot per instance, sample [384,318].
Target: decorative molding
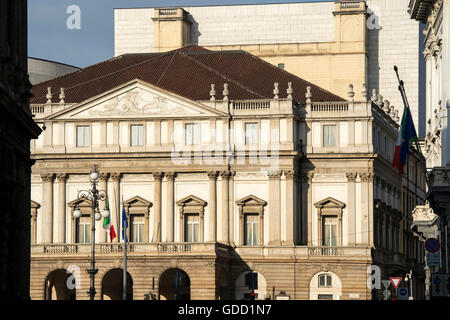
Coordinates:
[62,177]
[274,174]
[351,176]
[47,177]
[290,174]
[103,176]
[158,176]
[171,176]
[116,176]
[212,175]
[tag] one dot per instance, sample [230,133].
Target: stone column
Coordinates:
[182,226]
[46,232]
[170,201]
[201,217]
[157,211]
[225,206]
[115,211]
[212,175]
[241,226]
[261,226]
[308,217]
[100,233]
[351,208]
[274,208]
[231,208]
[60,236]
[33,224]
[290,225]
[366,178]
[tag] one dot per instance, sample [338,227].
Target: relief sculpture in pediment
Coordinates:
[132,103]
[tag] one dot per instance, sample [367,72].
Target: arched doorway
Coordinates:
[112,285]
[242,291]
[58,286]
[174,284]
[325,286]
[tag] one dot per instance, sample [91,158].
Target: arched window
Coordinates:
[325,285]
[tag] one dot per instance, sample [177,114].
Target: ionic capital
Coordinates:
[102,176]
[351,177]
[274,174]
[47,177]
[212,175]
[158,175]
[116,176]
[290,174]
[171,176]
[62,177]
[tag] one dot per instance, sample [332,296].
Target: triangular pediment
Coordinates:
[82,203]
[34,205]
[251,201]
[136,99]
[329,203]
[191,201]
[138,202]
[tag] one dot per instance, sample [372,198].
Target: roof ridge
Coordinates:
[108,74]
[167,67]
[293,75]
[225,77]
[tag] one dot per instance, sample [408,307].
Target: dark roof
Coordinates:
[188,72]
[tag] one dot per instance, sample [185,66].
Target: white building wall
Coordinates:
[396,43]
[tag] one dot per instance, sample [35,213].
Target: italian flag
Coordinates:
[407,136]
[107,224]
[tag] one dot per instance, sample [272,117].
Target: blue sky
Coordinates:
[49,38]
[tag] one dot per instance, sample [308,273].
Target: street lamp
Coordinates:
[408,277]
[94,195]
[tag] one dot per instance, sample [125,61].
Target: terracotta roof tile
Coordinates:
[188,72]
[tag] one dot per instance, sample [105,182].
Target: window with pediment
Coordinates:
[137,210]
[192,211]
[329,215]
[251,221]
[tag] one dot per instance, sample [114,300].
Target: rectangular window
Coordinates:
[192,233]
[281,66]
[82,136]
[84,229]
[137,135]
[252,229]
[251,133]
[330,231]
[192,134]
[329,136]
[325,297]
[137,228]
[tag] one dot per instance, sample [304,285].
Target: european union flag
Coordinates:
[124,224]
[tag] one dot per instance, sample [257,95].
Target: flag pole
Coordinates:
[124,228]
[402,90]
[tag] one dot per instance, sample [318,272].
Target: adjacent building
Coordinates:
[41,70]
[17,128]
[331,44]
[225,164]
[436,16]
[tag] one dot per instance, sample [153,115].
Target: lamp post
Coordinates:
[94,195]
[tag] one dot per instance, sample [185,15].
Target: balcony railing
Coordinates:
[326,251]
[205,248]
[329,106]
